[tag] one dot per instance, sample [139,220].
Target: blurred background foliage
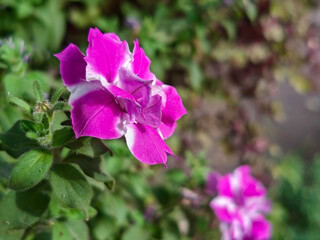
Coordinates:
[234,63]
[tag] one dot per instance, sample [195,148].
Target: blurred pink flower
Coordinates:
[212,183]
[240,205]
[114,94]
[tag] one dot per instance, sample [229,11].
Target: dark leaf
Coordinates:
[15,142]
[91,147]
[62,136]
[19,210]
[70,186]
[92,167]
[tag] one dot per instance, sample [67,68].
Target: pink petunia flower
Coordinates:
[114,94]
[240,205]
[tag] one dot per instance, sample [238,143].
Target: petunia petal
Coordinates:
[146,144]
[172,110]
[224,208]
[96,114]
[72,66]
[224,186]
[250,186]
[151,115]
[105,55]
[141,63]
[138,88]
[125,100]
[261,228]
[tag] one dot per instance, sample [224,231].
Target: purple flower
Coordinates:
[212,182]
[240,205]
[114,94]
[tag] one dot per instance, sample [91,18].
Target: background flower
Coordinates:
[240,205]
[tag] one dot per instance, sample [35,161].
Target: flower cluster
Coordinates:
[240,205]
[114,94]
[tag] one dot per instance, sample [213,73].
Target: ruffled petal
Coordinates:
[224,186]
[96,114]
[141,63]
[105,55]
[261,228]
[172,110]
[125,100]
[250,186]
[72,66]
[167,129]
[151,115]
[138,88]
[146,144]
[224,208]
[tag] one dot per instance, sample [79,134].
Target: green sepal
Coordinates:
[61,106]
[57,95]
[37,116]
[39,127]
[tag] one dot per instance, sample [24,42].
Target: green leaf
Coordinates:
[136,233]
[62,136]
[91,147]
[70,186]
[57,119]
[19,210]
[57,95]
[60,232]
[57,210]
[30,170]
[72,213]
[45,79]
[71,229]
[11,81]
[195,76]
[20,103]
[11,234]
[103,228]
[251,9]
[15,142]
[37,91]
[92,167]
[106,179]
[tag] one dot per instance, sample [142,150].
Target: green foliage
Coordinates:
[70,186]
[15,142]
[71,229]
[232,49]
[62,136]
[91,147]
[30,170]
[296,199]
[19,210]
